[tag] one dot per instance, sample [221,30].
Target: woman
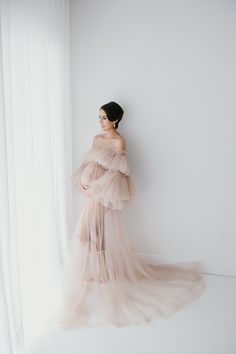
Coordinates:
[102,274]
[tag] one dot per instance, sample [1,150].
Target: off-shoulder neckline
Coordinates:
[110,147]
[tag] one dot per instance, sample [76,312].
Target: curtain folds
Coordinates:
[35,162]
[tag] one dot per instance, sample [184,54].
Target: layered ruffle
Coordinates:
[114,189]
[106,175]
[109,158]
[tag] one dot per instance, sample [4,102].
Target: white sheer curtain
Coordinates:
[35,164]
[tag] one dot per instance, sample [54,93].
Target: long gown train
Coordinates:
[102,272]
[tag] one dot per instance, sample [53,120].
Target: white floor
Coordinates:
[205,326]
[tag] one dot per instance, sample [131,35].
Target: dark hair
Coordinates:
[113,111]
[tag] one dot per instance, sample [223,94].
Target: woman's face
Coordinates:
[105,123]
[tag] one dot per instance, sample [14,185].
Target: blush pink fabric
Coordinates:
[102,272]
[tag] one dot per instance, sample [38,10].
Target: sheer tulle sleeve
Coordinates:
[75,177]
[115,189]
[85,174]
[106,175]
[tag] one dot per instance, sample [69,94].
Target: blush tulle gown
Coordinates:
[102,273]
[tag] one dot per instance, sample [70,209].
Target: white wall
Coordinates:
[171,66]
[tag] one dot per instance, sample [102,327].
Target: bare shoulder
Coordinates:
[96,138]
[120,142]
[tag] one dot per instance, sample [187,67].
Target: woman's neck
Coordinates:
[111,134]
